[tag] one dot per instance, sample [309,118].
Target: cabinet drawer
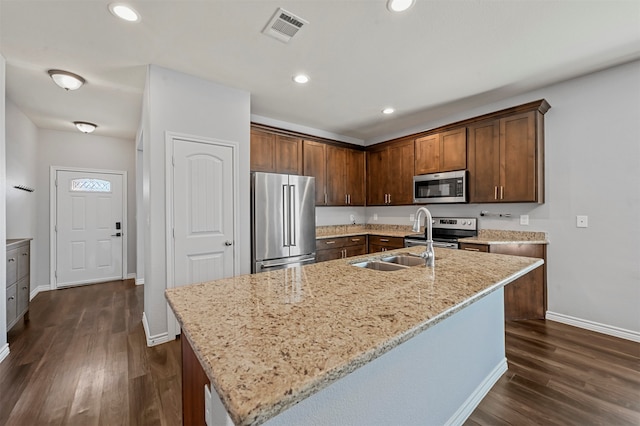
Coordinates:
[329,254]
[12,266]
[474,247]
[330,243]
[356,240]
[388,242]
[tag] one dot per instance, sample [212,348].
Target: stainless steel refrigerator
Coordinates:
[283,221]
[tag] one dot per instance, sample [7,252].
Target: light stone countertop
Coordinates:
[494,236]
[14,242]
[336,231]
[269,340]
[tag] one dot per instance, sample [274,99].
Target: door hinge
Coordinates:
[55,274]
[173,161]
[173,233]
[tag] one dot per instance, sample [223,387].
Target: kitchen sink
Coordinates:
[404,259]
[379,266]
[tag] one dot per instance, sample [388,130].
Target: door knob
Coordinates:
[228,243]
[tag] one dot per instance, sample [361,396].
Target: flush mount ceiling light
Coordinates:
[65,79]
[124,12]
[399,5]
[84,126]
[388,110]
[301,78]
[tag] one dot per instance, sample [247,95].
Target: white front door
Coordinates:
[203,211]
[89,227]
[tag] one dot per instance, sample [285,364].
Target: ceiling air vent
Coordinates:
[283,25]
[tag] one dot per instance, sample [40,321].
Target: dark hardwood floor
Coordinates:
[563,375]
[83,360]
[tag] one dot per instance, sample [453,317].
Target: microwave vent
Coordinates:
[284,25]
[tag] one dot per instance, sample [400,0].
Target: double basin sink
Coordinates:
[392,263]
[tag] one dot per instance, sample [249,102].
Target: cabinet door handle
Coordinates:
[330,242]
[325,198]
[471,249]
[25,254]
[389,198]
[495,192]
[346,199]
[384,240]
[355,240]
[11,298]
[24,288]
[501,192]
[11,260]
[349,199]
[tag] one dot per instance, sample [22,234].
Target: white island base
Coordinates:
[438,377]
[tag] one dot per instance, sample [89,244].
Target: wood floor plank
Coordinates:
[564,375]
[83,360]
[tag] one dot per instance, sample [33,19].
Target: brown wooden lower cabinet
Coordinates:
[340,248]
[526,297]
[378,243]
[194,380]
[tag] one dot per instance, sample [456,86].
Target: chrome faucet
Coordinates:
[428,255]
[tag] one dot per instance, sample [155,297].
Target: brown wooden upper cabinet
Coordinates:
[441,152]
[344,176]
[339,173]
[315,164]
[275,153]
[506,158]
[390,174]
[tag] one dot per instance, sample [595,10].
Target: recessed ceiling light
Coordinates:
[124,12]
[388,110]
[399,5]
[301,78]
[84,126]
[65,79]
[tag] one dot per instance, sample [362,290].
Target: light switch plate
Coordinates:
[352,218]
[524,219]
[375,216]
[412,217]
[582,221]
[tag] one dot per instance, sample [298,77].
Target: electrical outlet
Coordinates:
[375,216]
[412,218]
[582,221]
[524,219]
[352,218]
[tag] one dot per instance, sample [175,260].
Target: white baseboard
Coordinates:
[622,333]
[39,289]
[157,339]
[4,352]
[139,281]
[481,391]
[131,276]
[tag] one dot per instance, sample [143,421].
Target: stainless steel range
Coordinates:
[446,232]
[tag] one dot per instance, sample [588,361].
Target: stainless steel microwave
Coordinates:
[447,187]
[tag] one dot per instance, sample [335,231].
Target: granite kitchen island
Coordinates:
[333,343]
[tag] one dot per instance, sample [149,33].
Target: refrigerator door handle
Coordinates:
[292,215]
[285,216]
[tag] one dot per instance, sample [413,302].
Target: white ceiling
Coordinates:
[441,55]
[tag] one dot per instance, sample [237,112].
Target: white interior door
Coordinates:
[89,227]
[203,212]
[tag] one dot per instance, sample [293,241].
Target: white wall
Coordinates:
[4,347]
[592,167]
[179,103]
[21,155]
[75,149]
